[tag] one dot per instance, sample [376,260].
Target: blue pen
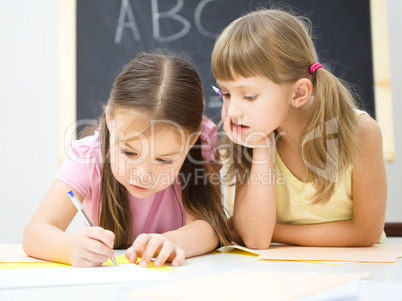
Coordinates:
[217,91]
[84,214]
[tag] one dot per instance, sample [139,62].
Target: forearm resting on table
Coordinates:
[44,241]
[346,233]
[253,223]
[254,210]
[195,238]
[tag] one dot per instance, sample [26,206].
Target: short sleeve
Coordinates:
[209,140]
[81,169]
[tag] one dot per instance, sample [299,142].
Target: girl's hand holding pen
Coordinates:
[91,247]
[148,246]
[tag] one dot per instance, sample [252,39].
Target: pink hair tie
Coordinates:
[314,67]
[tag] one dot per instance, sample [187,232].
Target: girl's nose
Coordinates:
[143,174]
[234,109]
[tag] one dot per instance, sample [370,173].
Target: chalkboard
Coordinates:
[112,32]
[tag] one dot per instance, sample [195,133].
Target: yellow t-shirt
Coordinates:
[293,205]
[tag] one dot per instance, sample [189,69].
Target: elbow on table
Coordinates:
[259,243]
[27,240]
[366,243]
[372,241]
[369,239]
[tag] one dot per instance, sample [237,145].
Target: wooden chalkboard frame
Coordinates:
[382,76]
[68,77]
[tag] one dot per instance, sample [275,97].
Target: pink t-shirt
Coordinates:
[159,213]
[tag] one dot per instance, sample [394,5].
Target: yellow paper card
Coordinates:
[122,259]
[31,265]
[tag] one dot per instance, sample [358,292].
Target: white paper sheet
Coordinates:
[46,277]
[242,285]
[367,290]
[242,248]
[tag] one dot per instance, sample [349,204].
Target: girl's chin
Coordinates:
[251,143]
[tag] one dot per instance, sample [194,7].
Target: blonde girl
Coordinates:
[308,165]
[145,176]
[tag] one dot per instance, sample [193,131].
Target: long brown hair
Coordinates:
[162,86]
[278,45]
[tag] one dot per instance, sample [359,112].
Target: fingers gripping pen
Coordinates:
[84,214]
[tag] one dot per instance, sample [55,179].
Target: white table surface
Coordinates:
[381,277]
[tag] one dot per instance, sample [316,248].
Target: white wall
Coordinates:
[29,104]
[29,110]
[394,169]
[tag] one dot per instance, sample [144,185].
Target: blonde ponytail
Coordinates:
[330,138]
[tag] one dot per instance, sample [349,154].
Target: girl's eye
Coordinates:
[225,95]
[164,161]
[128,154]
[250,97]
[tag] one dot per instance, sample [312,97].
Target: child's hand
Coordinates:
[91,247]
[148,246]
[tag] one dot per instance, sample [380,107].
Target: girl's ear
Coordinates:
[303,92]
